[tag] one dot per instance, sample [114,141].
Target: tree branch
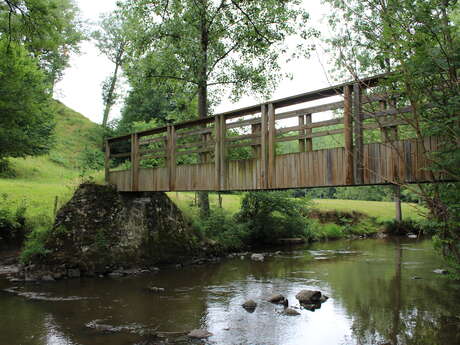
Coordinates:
[248,17]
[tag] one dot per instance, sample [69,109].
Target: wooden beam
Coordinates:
[358,133]
[263,147]
[134,162]
[301,131]
[223,153]
[217,152]
[308,131]
[171,157]
[271,146]
[348,135]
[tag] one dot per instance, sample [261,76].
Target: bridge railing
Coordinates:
[237,150]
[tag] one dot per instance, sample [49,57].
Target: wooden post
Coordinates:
[308,131]
[263,147]
[358,129]
[171,156]
[271,146]
[134,162]
[107,162]
[302,132]
[348,135]
[222,153]
[217,151]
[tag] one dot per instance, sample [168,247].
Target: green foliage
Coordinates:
[223,228]
[419,43]
[92,159]
[26,121]
[49,29]
[12,221]
[272,215]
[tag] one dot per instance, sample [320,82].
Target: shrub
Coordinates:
[269,216]
[222,228]
[403,227]
[12,221]
[34,246]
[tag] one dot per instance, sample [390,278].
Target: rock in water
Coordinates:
[277,298]
[249,305]
[100,229]
[308,296]
[290,312]
[257,257]
[199,334]
[441,271]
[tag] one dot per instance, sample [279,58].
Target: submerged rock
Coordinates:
[290,312]
[199,334]
[277,299]
[308,296]
[156,289]
[249,305]
[257,257]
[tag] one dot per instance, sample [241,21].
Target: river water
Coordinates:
[381,292]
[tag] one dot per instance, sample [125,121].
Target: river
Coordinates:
[381,292]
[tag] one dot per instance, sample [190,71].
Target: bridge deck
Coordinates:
[238,150]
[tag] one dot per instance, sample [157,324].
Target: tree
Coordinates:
[231,45]
[49,29]
[26,120]
[419,43]
[112,41]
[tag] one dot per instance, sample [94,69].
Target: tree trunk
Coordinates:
[110,96]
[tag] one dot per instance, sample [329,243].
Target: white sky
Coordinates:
[80,87]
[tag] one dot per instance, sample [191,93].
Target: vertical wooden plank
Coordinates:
[134,162]
[263,148]
[358,133]
[107,162]
[348,135]
[171,157]
[271,146]
[302,132]
[217,151]
[222,153]
[308,131]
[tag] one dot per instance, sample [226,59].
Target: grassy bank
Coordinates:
[381,210]
[325,219]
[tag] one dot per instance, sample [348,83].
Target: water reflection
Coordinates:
[373,300]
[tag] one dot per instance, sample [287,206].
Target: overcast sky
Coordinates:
[80,87]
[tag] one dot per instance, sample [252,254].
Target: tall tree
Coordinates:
[49,29]
[112,41]
[418,41]
[26,120]
[231,45]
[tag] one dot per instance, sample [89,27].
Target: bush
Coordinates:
[403,227]
[269,216]
[34,246]
[222,228]
[12,221]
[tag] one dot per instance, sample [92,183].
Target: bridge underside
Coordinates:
[403,161]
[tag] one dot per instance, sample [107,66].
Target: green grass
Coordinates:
[381,210]
[39,180]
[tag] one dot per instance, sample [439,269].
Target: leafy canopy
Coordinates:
[26,120]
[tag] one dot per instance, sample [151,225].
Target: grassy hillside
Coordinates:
[38,180]
[379,209]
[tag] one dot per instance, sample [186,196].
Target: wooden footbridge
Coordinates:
[365,140]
